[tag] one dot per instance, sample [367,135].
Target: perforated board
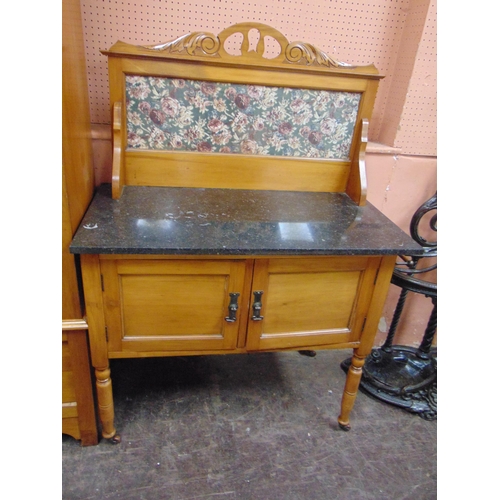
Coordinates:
[417,128]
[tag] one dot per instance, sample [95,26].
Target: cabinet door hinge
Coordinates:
[102,282]
[106,333]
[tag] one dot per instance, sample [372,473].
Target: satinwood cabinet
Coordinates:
[237,219]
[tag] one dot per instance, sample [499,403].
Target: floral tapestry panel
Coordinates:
[188,115]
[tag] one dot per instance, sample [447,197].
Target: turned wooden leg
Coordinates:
[350,390]
[105,404]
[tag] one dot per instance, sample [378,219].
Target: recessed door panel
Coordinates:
[310,301]
[178,305]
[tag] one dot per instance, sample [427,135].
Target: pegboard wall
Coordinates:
[356,32]
[417,128]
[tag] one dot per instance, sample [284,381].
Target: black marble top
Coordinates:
[197,221]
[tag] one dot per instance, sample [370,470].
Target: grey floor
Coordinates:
[260,426]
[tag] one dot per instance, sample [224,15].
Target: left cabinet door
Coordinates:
[172,305]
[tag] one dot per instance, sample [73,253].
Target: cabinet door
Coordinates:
[174,305]
[306,302]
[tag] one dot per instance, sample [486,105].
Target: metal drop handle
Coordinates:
[257,306]
[233,307]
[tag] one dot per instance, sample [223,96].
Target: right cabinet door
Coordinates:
[310,301]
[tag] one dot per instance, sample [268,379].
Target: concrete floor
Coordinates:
[251,427]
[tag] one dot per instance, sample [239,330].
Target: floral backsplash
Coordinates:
[189,115]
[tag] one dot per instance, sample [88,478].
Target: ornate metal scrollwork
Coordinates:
[428,206]
[408,267]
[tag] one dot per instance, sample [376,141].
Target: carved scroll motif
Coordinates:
[298,52]
[207,43]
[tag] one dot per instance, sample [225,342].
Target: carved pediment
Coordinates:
[209,45]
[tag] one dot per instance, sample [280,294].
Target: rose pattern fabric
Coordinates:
[190,115]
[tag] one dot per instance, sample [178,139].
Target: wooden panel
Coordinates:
[71,306]
[310,77]
[68,387]
[78,414]
[76,145]
[292,299]
[69,410]
[70,426]
[156,168]
[173,305]
[66,356]
[156,305]
[77,160]
[311,301]
[78,417]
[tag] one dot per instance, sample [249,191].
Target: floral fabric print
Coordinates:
[189,115]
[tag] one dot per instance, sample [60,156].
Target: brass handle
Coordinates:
[257,306]
[233,307]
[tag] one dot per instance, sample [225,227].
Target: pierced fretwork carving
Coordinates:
[208,44]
